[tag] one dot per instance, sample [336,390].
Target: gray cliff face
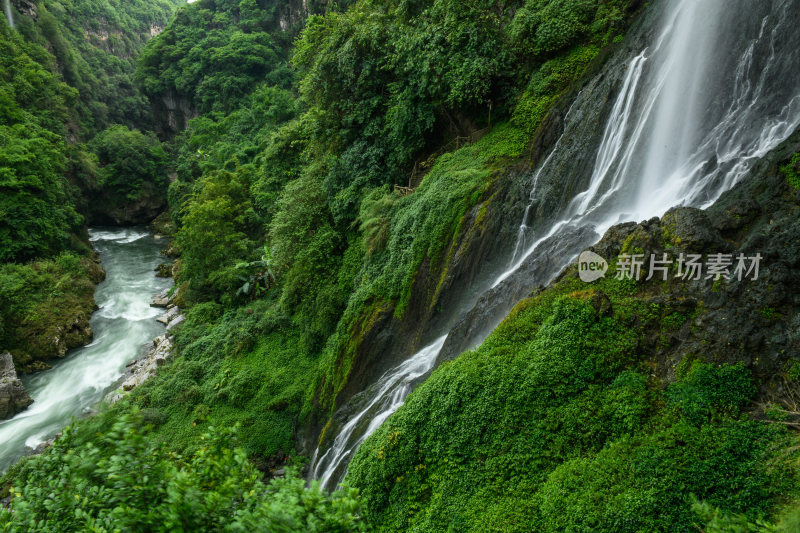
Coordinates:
[13,397]
[178,111]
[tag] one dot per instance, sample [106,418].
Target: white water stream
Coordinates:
[122,325]
[683,129]
[9,13]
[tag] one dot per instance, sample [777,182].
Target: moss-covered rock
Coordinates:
[49,304]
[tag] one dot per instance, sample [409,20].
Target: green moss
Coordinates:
[705,391]
[674,321]
[769,313]
[41,300]
[547,83]
[791,171]
[794,371]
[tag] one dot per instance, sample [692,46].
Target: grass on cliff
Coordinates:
[422,227]
[555,423]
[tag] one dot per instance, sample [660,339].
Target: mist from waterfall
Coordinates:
[715,91]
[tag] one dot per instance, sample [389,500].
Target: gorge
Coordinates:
[663,145]
[371,212]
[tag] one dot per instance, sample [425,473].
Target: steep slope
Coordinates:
[610,406]
[344,199]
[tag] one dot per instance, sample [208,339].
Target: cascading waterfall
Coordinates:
[9,13]
[711,95]
[383,398]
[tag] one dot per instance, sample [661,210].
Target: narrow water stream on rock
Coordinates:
[122,325]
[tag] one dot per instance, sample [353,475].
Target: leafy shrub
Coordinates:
[708,392]
[124,482]
[550,425]
[131,164]
[792,172]
[213,55]
[215,235]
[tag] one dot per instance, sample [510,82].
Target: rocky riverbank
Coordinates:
[156,353]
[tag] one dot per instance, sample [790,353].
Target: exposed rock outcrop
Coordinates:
[104,210]
[162,299]
[26,7]
[142,369]
[13,397]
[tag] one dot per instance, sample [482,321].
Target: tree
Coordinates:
[129,159]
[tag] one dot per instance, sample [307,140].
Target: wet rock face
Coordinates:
[755,321]
[26,7]
[495,303]
[450,295]
[13,397]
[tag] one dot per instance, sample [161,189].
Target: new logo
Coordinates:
[591,266]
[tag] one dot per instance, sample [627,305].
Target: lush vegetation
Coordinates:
[306,181]
[132,165]
[215,53]
[65,79]
[96,44]
[37,204]
[555,424]
[287,126]
[38,298]
[121,481]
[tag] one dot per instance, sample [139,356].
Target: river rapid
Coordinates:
[122,325]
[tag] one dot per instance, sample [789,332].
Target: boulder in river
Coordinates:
[13,397]
[169,316]
[164,270]
[175,322]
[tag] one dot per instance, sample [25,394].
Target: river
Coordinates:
[122,325]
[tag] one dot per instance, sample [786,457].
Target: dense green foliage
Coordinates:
[40,296]
[248,366]
[554,425]
[214,54]
[122,481]
[37,213]
[294,178]
[292,240]
[791,171]
[132,164]
[96,44]
[386,79]
[65,75]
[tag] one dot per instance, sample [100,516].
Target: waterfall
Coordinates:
[9,13]
[383,398]
[715,91]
